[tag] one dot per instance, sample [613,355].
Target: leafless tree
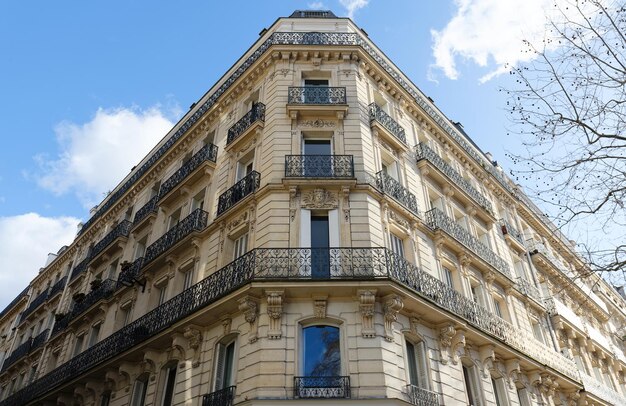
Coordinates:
[569,105]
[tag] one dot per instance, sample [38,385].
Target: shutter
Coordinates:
[422,366]
[219,368]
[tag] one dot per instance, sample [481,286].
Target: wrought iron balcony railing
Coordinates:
[321,387]
[436,219]
[421,397]
[146,210]
[423,151]
[246,186]
[80,268]
[206,153]
[379,115]
[61,323]
[129,273]
[18,298]
[20,351]
[196,221]
[34,304]
[319,166]
[285,264]
[508,229]
[528,289]
[318,95]
[39,340]
[103,291]
[120,230]
[222,397]
[256,113]
[57,287]
[393,188]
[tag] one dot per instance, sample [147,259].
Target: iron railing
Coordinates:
[206,153]
[36,302]
[80,268]
[508,229]
[129,273]
[528,289]
[39,340]
[246,186]
[423,151]
[18,353]
[319,95]
[379,115]
[286,264]
[436,219]
[57,287]
[393,188]
[120,230]
[324,387]
[319,166]
[146,209]
[14,301]
[256,113]
[196,221]
[421,397]
[103,291]
[61,323]
[223,397]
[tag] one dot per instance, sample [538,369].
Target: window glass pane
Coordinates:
[410,353]
[188,279]
[241,246]
[170,381]
[139,393]
[397,245]
[447,274]
[322,355]
[224,367]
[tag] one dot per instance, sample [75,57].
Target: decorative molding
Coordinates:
[451,343]
[275,312]
[345,194]
[392,304]
[319,199]
[398,219]
[317,123]
[319,306]
[367,302]
[227,323]
[249,306]
[293,202]
[487,358]
[194,341]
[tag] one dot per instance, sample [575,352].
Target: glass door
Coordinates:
[317,161]
[320,252]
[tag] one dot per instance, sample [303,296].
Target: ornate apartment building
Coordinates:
[314,230]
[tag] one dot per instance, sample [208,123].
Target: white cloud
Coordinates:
[353,5]
[25,241]
[489,33]
[94,156]
[316,5]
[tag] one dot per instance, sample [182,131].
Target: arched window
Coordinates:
[139,390]
[225,363]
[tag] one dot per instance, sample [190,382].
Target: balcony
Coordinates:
[147,210]
[252,120]
[600,390]
[21,351]
[34,305]
[57,287]
[389,186]
[39,340]
[246,186]
[387,126]
[102,291]
[425,154]
[79,269]
[105,245]
[321,387]
[437,220]
[513,237]
[421,397]
[317,100]
[129,273]
[528,289]
[60,323]
[189,173]
[319,166]
[194,222]
[222,397]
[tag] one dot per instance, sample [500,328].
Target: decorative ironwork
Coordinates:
[393,188]
[18,353]
[379,115]
[80,268]
[147,209]
[436,219]
[222,397]
[528,289]
[319,166]
[61,324]
[196,221]
[206,153]
[246,186]
[15,301]
[57,287]
[129,273]
[318,95]
[294,264]
[120,230]
[312,14]
[39,340]
[256,113]
[421,397]
[34,304]
[324,387]
[600,390]
[423,151]
[508,229]
[103,291]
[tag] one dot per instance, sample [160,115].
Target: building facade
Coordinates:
[315,230]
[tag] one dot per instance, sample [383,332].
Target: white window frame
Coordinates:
[240,245]
[397,245]
[220,368]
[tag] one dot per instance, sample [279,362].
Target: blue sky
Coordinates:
[89,82]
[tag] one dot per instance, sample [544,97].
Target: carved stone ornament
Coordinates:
[275,312]
[451,343]
[487,359]
[317,123]
[250,308]
[398,219]
[319,199]
[293,202]
[391,307]
[242,219]
[319,307]
[367,301]
[194,341]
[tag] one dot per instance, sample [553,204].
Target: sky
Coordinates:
[87,88]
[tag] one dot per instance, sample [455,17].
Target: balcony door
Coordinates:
[317,161]
[320,243]
[315,93]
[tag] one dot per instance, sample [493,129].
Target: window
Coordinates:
[198,201]
[155,189]
[105,399]
[397,245]
[471,386]
[188,278]
[32,374]
[139,391]
[522,397]
[94,334]
[162,293]
[78,344]
[448,277]
[128,214]
[416,360]
[498,308]
[173,219]
[123,316]
[169,381]
[140,247]
[20,380]
[499,391]
[537,331]
[224,365]
[112,271]
[53,359]
[244,168]
[241,246]
[321,351]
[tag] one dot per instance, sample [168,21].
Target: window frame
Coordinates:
[224,375]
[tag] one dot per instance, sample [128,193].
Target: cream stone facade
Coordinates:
[315,230]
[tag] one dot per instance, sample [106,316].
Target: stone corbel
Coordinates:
[249,306]
[392,304]
[319,306]
[227,323]
[177,348]
[487,358]
[451,343]
[458,346]
[151,359]
[414,322]
[367,302]
[513,372]
[275,313]
[116,380]
[293,203]
[194,342]
[93,389]
[345,193]
[572,398]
